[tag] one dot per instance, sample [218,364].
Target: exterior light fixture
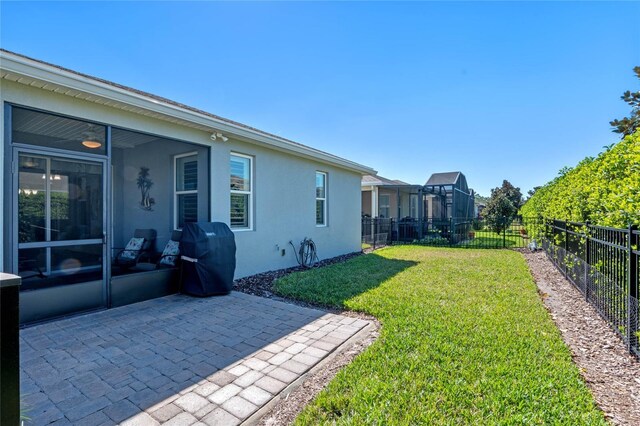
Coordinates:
[218,135]
[90,139]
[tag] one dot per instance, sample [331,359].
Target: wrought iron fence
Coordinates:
[454,232]
[601,262]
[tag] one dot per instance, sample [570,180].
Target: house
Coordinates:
[444,196]
[87,164]
[414,211]
[386,198]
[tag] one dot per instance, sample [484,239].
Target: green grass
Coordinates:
[487,238]
[464,340]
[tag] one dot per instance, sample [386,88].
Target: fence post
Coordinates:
[375,231]
[397,231]
[587,260]
[451,231]
[632,285]
[504,232]
[566,246]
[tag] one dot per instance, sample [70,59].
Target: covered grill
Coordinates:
[208,258]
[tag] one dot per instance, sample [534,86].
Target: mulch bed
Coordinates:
[262,284]
[612,374]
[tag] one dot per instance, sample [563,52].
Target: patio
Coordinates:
[175,359]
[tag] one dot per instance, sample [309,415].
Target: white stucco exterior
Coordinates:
[284,179]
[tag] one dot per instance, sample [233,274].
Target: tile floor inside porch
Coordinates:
[173,360]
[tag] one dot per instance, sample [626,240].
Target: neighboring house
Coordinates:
[386,198]
[444,203]
[444,196]
[448,196]
[86,162]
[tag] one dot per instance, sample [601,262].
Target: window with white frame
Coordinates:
[384,206]
[185,189]
[321,199]
[241,186]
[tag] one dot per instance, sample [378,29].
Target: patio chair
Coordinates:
[138,248]
[168,258]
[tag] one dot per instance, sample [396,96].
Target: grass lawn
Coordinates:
[487,238]
[464,340]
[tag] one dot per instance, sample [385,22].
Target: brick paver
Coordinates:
[174,360]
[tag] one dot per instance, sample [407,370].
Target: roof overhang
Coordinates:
[34,73]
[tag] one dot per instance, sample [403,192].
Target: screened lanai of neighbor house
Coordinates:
[99,179]
[402,211]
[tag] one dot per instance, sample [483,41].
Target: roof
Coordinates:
[377,180]
[446,178]
[34,72]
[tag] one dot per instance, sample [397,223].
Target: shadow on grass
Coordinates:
[332,286]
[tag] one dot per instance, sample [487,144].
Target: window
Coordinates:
[241,186]
[186,189]
[414,206]
[321,199]
[384,206]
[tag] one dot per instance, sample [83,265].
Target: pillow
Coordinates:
[170,252]
[133,247]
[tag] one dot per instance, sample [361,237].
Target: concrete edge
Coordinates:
[357,337]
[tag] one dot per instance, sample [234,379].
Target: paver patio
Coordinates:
[174,360]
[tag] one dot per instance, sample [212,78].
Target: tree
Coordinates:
[480,199]
[499,212]
[532,192]
[512,193]
[628,125]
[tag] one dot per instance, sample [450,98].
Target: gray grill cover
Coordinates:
[208,258]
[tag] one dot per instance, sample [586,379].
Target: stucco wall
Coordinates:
[284,185]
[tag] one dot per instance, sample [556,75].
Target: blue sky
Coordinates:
[496,90]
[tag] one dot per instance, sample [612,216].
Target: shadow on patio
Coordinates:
[108,366]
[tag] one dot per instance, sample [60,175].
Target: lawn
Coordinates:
[464,340]
[487,238]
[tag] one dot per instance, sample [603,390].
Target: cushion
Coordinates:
[132,249]
[170,252]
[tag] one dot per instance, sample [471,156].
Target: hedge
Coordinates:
[604,190]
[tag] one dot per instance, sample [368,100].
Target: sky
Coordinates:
[497,90]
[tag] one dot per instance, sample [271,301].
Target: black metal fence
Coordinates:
[476,233]
[601,262]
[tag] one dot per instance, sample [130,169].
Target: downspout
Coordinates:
[374,209]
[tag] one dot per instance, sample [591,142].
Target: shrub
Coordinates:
[603,190]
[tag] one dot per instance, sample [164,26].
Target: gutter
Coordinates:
[51,74]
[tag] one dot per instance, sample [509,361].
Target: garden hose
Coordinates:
[307,255]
